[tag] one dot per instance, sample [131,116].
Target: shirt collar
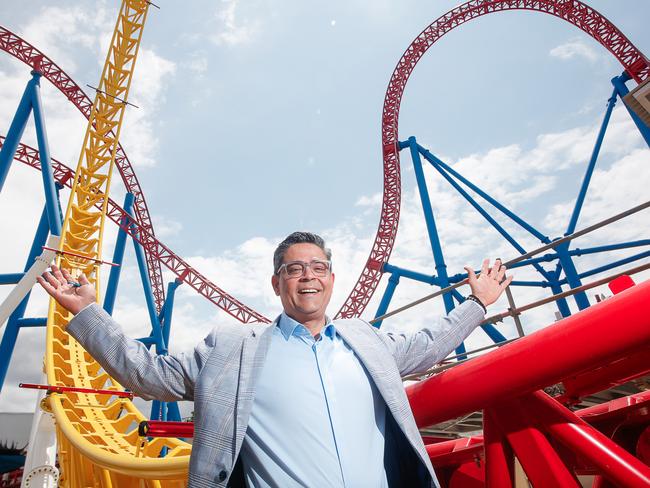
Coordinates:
[289,327]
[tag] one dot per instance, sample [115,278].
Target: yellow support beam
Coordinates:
[98,441]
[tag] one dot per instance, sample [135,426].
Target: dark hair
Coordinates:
[298,238]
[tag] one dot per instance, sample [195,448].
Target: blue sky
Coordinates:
[259,118]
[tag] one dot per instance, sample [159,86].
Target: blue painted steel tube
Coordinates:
[168,308]
[10,278]
[609,247]
[412,275]
[173,413]
[434,239]
[572,278]
[156,328]
[51,194]
[620,262]
[147,341]
[621,89]
[541,284]
[118,257]
[156,413]
[11,330]
[493,333]
[515,218]
[15,132]
[592,164]
[32,322]
[562,304]
[393,281]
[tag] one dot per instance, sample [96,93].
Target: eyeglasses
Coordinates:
[295,269]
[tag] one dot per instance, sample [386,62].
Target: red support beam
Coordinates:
[616,328]
[499,459]
[158,428]
[541,462]
[456,451]
[614,462]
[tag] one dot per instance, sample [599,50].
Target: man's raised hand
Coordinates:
[71,295]
[490,282]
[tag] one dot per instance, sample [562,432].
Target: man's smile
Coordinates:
[308,291]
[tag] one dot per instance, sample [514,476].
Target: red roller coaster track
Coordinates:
[183,271]
[577,13]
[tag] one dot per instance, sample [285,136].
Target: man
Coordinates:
[304,401]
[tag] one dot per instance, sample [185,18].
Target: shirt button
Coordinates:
[223,474]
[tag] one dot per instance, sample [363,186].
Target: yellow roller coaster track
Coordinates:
[98,442]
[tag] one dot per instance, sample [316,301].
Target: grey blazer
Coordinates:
[219,376]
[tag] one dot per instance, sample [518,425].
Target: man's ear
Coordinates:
[275,283]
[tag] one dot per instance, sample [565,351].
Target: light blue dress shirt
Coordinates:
[317,418]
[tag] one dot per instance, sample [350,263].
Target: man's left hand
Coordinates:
[490,282]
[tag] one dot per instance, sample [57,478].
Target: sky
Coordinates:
[259,118]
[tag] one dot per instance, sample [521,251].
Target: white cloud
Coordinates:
[166,227]
[54,30]
[231,28]
[138,135]
[573,48]
[197,63]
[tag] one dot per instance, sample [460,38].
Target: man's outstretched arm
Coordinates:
[418,351]
[151,376]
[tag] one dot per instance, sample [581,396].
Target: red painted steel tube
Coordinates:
[466,448]
[616,328]
[499,459]
[456,451]
[607,376]
[158,428]
[615,408]
[614,462]
[541,462]
[78,255]
[74,389]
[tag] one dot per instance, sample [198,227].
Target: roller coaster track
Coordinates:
[98,441]
[163,254]
[575,12]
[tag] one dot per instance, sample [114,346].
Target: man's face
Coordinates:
[304,298]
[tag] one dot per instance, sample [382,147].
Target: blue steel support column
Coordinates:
[393,281]
[562,250]
[572,278]
[118,257]
[148,295]
[166,410]
[592,164]
[562,305]
[434,239]
[168,309]
[11,330]
[621,89]
[16,130]
[49,187]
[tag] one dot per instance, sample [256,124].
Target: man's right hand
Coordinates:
[60,285]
